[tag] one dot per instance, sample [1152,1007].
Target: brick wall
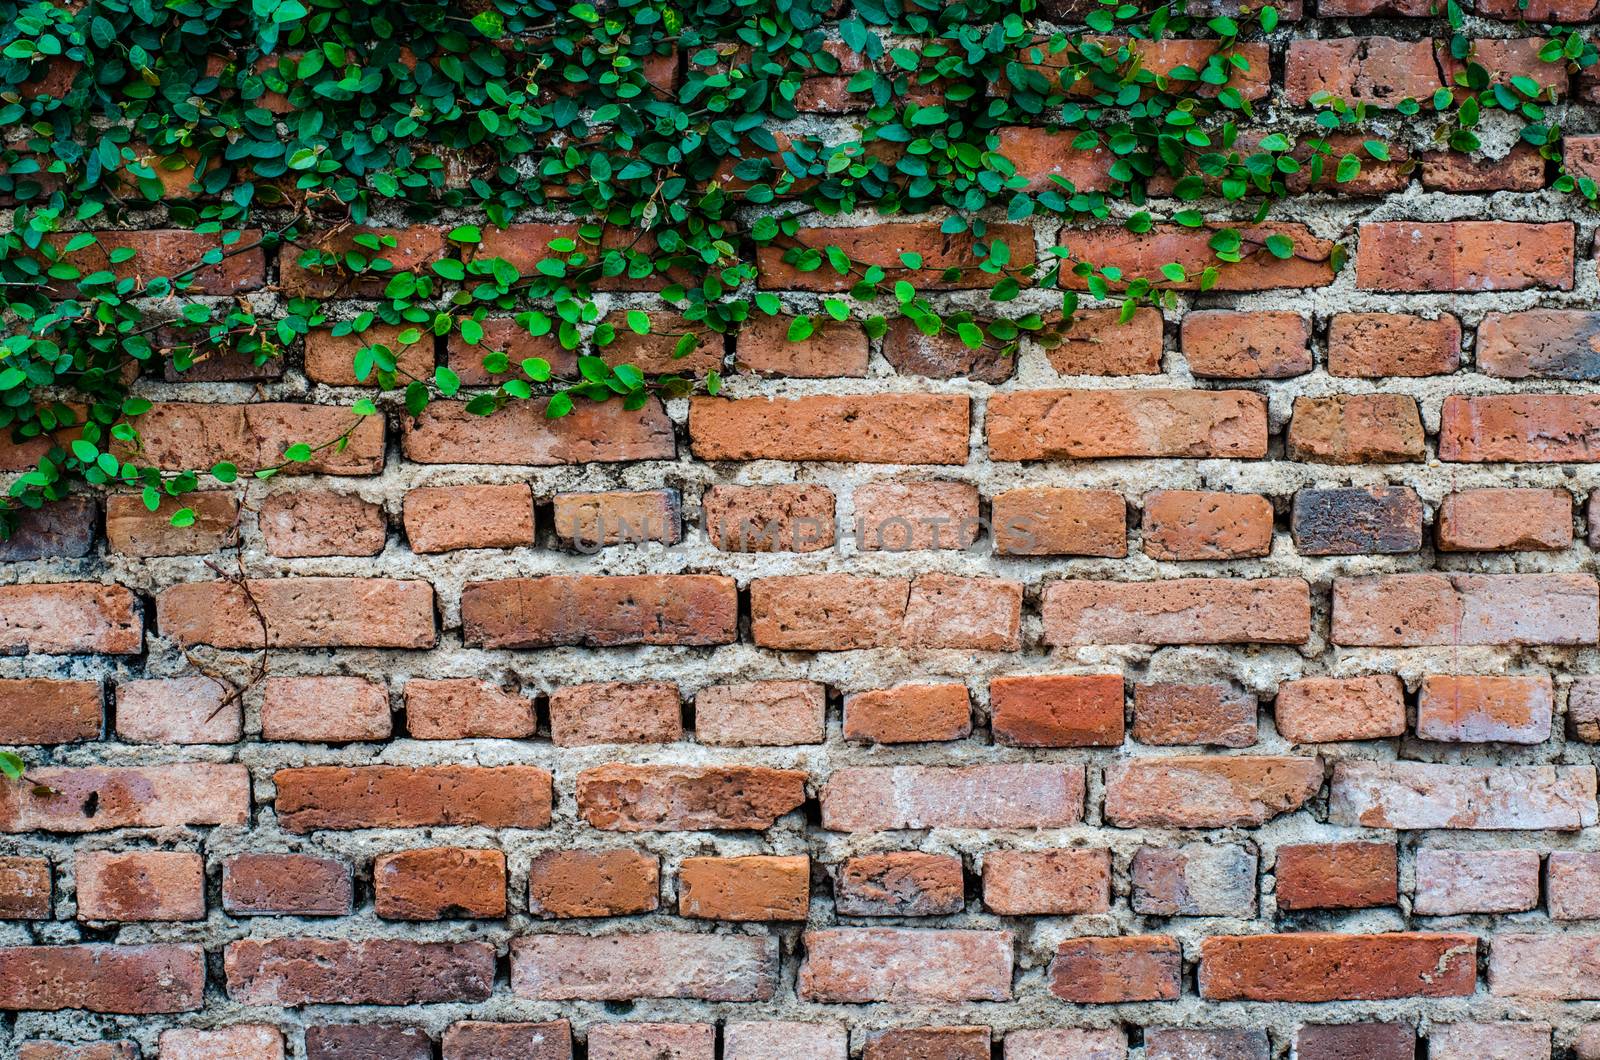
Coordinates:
[1212,685]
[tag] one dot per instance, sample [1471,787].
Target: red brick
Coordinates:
[242,1041]
[1375,345]
[331,358]
[36,710]
[69,618]
[1337,875]
[1331,709]
[286,884]
[1520,169]
[632,966]
[755,887]
[865,428]
[945,1043]
[1040,155]
[474,1040]
[908,714]
[653,353]
[175,253]
[1109,971]
[1095,424]
[854,965]
[900,883]
[1170,714]
[100,798]
[1098,342]
[414,247]
[1464,256]
[615,712]
[521,435]
[24,888]
[579,883]
[133,980]
[181,710]
[439,882]
[1356,1041]
[1574,885]
[1180,611]
[1141,256]
[177,436]
[842,612]
[447,518]
[62,1051]
[1196,879]
[630,798]
[1556,967]
[1046,882]
[836,348]
[302,971]
[1540,343]
[652,1041]
[1380,71]
[1472,709]
[794,517]
[588,521]
[347,797]
[1205,524]
[761,714]
[300,613]
[1208,791]
[140,885]
[322,523]
[1052,521]
[1583,709]
[943,356]
[460,708]
[1580,155]
[1322,966]
[1421,795]
[328,709]
[1450,882]
[901,516]
[1528,428]
[1356,429]
[599,611]
[884,798]
[134,530]
[1356,520]
[1057,710]
[883,244]
[780,1039]
[1403,610]
[1257,345]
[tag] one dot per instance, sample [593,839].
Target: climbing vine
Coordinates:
[566,151]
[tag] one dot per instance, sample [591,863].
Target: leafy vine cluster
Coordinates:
[662,143]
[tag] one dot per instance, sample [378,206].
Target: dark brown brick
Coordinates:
[1353,520]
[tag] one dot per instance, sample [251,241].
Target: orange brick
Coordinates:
[447,518]
[1205,524]
[460,708]
[140,885]
[1052,521]
[615,712]
[1047,882]
[908,714]
[1057,710]
[1337,875]
[757,887]
[440,882]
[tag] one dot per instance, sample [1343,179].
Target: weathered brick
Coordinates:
[1097,342]
[1179,611]
[1325,966]
[842,612]
[1375,345]
[1356,429]
[1466,256]
[836,348]
[1182,1043]
[1573,885]
[1380,71]
[1355,520]
[1169,714]
[1403,610]
[899,883]
[1337,875]
[328,709]
[1208,791]
[177,435]
[656,352]
[304,971]
[599,610]
[882,245]
[662,798]
[1106,971]
[1331,709]
[24,888]
[793,517]
[579,883]
[943,356]
[69,618]
[761,713]
[1520,169]
[100,798]
[176,253]
[1057,710]
[755,887]
[947,1043]
[1066,1043]
[439,882]
[780,1039]
[39,1050]
[1047,882]
[1583,709]
[1222,344]
[178,710]
[1505,520]
[588,521]
[615,712]
[63,529]
[140,885]
[1356,1041]
[134,530]
[1502,1041]
[1196,879]
[414,247]
[286,885]
[658,964]
[1141,256]
[241,1041]
[37,710]
[908,714]
[1053,521]
[865,428]
[855,965]
[1562,967]
[348,797]
[657,1041]
[331,357]
[902,516]
[302,612]
[134,980]
[1419,795]
[521,435]
[1522,428]
[1095,424]
[1472,709]
[1451,882]
[476,1040]
[1540,343]
[447,518]
[459,708]
[883,798]
[322,523]
[1041,155]
[1206,524]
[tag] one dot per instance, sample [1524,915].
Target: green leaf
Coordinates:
[298,453]
[800,329]
[1280,245]
[183,517]
[12,765]
[639,322]
[224,472]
